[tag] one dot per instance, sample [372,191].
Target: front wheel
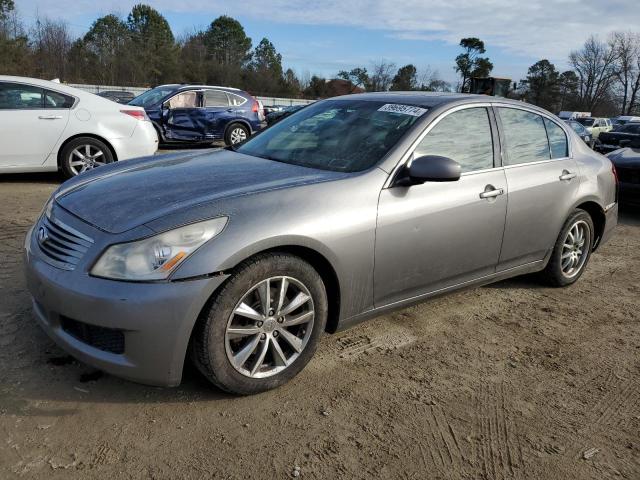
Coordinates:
[264,325]
[572,250]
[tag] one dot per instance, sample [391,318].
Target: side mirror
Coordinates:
[430,168]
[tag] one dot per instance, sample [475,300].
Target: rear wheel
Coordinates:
[263,327]
[572,250]
[83,154]
[236,133]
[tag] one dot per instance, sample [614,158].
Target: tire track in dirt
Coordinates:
[614,409]
[366,339]
[440,447]
[497,447]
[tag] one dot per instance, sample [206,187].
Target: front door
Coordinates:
[183,118]
[543,182]
[23,111]
[436,235]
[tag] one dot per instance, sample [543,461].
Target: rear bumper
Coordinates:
[611,221]
[155,320]
[142,143]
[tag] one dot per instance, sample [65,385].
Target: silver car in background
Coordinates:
[242,258]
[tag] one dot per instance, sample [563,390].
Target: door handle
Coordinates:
[567,175]
[50,117]
[492,193]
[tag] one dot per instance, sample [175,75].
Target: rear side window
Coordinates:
[557,139]
[57,100]
[15,96]
[215,98]
[463,136]
[525,136]
[236,100]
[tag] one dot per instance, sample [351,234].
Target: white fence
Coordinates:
[138,90]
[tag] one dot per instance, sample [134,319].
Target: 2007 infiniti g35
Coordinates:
[354,206]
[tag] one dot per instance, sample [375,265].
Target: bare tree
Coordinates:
[594,64]
[52,42]
[627,68]
[429,80]
[381,76]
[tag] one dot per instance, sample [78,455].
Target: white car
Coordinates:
[47,126]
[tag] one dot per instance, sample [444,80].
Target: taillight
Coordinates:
[137,114]
[615,172]
[255,107]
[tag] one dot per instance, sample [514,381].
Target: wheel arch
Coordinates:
[241,121]
[319,262]
[596,212]
[81,135]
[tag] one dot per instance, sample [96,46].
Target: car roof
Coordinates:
[61,87]
[432,99]
[189,86]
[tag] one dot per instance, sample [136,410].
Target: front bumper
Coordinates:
[156,319]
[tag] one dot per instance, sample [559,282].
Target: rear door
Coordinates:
[543,182]
[219,112]
[440,234]
[32,120]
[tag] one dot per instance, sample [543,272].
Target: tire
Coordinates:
[74,159]
[236,133]
[561,272]
[220,341]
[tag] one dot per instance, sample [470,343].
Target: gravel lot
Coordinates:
[507,381]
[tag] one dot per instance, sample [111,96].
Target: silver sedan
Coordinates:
[241,258]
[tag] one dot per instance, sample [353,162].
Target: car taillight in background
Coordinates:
[137,114]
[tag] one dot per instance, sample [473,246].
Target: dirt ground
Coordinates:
[506,381]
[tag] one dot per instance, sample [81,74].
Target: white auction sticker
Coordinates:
[404,109]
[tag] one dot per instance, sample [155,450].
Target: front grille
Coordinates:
[102,338]
[628,175]
[63,245]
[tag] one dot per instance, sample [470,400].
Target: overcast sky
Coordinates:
[325,36]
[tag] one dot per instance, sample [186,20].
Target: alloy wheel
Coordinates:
[269,327]
[575,249]
[85,157]
[238,135]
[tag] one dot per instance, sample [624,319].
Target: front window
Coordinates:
[151,97]
[338,135]
[184,100]
[463,136]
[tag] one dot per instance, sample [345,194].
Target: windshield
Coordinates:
[151,97]
[587,122]
[578,128]
[338,135]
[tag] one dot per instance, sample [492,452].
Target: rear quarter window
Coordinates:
[557,139]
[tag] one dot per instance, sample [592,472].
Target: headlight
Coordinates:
[154,258]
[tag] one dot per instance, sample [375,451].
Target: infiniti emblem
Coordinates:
[43,235]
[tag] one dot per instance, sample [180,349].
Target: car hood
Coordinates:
[119,197]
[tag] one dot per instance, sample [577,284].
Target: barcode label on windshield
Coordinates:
[404,109]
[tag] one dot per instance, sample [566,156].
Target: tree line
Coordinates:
[141,50]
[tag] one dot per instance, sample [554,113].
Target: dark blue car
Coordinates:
[200,113]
